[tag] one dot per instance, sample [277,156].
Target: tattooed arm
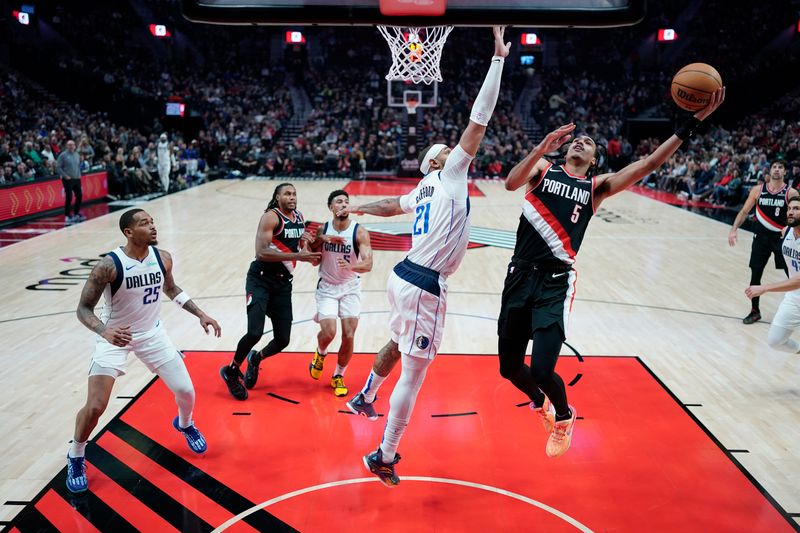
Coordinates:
[172,290]
[102,274]
[388,207]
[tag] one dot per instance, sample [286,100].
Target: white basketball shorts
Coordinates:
[338,300]
[788,314]
[153,348]
[417,317]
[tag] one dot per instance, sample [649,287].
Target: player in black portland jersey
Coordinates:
[771,201]
[281,241]
[540,283]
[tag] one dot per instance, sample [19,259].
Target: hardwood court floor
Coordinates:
[654,282]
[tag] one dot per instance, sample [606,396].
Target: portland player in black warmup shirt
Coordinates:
[771,201]
[281,241]
[540,282]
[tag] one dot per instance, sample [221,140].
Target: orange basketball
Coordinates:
[693,86]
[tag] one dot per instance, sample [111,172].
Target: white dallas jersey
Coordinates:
[790,247]
[162,150]
[329,269]
[440,234]
[133,298]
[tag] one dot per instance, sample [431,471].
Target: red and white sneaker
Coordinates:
[561,436]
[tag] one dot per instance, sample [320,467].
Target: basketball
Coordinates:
[693,86]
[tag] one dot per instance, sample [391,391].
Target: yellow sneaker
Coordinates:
[561,437]
[339,388]
[315,368]
[546,413]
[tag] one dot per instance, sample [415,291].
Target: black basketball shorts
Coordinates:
[535,299]
[270,293]
[764,245]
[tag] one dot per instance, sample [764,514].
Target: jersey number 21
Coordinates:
[422,212]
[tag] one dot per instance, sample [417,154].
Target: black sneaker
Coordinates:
[384,471]
[251,375]
[754,316]
[233,379]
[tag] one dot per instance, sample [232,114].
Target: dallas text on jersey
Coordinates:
[143,280]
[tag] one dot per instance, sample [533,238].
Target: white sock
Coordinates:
[77,449]
[401,403]
[322,352]
[340,370]
[371,386]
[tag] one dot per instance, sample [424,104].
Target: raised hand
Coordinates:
[716,100]
[118,335]
[500,48]
[553,140]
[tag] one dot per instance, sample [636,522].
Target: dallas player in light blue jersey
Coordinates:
[346,253]
[132,279]
[417,287]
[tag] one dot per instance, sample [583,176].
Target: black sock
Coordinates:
[560,418]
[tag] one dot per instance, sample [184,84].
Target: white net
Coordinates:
[416,52]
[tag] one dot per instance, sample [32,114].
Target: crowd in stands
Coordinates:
[244,99]
[722,165]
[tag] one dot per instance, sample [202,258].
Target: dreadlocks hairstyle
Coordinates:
[274,202]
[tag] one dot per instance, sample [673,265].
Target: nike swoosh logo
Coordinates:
[130,267]
[559,275]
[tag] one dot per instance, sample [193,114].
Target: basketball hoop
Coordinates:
[411,106]
[416,52]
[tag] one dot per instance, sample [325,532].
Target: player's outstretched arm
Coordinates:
[102,274]
[177,295]
[388,207]
[786,285]
[741,216]
[533,165]
[484,104]
[611,184]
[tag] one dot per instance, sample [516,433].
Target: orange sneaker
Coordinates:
[561,437]
[546,413]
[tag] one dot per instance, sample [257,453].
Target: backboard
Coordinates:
[538,13]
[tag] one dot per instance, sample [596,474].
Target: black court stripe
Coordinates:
[202,482]
[15,502]
[140,488]
[576,379]
[523,404]
[88,504]
[727,452]
[455,414]
[31,520]
[282,398]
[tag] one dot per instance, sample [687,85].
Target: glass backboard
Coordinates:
[539,13]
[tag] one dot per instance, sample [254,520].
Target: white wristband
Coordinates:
[181,299]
